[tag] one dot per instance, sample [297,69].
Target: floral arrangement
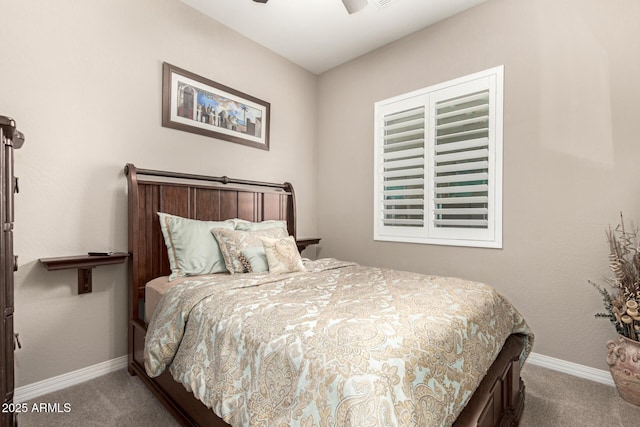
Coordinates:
[621,304]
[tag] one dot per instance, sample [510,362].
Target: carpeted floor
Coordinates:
[552,399]
[556,399]
[114,400]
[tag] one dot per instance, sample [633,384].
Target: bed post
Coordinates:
[291,209]
[133,306]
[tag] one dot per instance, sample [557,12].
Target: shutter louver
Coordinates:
[403,160]
[461,162]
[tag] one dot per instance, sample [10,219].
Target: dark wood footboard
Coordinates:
[499,400]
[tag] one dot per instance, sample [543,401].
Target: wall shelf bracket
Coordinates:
[85,264]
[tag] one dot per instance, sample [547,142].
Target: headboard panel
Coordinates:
[199,197]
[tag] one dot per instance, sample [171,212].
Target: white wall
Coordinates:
[571,153]
[83,81]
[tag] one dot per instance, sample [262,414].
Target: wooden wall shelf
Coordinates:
[84,264]
[304,242]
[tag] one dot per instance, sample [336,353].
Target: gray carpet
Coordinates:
[113,400]
[556,399]
[553,399]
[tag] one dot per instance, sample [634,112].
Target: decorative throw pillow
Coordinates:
[233,242]
[190,247]
[254,260]
[282,255]
[241,224]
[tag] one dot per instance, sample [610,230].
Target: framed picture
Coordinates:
[192,103]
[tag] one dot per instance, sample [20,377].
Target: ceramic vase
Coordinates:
[624,363]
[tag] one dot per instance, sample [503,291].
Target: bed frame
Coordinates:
[498,401]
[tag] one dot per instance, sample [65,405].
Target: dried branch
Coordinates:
[624,263]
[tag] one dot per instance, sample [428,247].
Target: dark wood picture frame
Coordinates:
[192,103]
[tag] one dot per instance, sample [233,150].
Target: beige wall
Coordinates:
[84,84]
[83,81]
[571,151]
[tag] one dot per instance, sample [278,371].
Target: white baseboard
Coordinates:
[31,391]
[580,371]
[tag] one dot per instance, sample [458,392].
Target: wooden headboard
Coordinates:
[200,197]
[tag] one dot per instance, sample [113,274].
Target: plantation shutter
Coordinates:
[461,162]
[403,158]
[438,156]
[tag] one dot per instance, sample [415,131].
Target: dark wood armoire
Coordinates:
[10,139]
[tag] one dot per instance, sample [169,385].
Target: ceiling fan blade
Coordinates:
[354,6]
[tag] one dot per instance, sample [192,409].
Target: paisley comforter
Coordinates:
[337,345]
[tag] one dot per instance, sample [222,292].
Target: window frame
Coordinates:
[491,237]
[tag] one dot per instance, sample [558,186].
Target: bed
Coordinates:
[498,399]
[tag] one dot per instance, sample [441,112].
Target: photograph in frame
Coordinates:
[192,103]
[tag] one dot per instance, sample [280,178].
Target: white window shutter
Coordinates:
[439,164]
[463,176]
[400,171]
